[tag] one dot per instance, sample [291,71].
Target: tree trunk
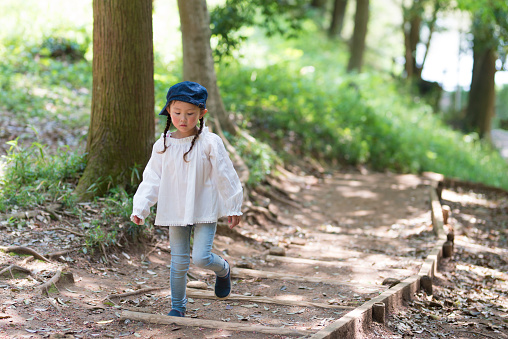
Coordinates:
[339,12]
[319,4]
[359,36]
[412,19]
[481,101]
[198,63]
[122,123]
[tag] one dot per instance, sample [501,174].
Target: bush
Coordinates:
[303,107]
[33,177]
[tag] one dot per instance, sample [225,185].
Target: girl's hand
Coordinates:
[234,220]
[137,220]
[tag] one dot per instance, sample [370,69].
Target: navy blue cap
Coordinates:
[186,91]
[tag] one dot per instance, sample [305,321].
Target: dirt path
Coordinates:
[342,238]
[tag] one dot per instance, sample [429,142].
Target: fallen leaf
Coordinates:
[105,321]
[250,305]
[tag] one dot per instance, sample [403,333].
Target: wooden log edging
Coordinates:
[355,323]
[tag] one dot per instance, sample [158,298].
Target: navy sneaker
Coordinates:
[176,313]
[223,285]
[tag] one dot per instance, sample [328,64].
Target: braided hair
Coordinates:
[201,124]
[166,129]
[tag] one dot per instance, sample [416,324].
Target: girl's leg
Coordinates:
[202,255]
[179,240]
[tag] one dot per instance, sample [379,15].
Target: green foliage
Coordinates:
[276,17]
[113,225]
[97,237]
[489,22]
[63,48]
[303,107]
[34,177]
[259,157]
[501,118]
[32,85]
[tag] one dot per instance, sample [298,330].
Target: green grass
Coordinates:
[35,177]
[293,96]
[300,101]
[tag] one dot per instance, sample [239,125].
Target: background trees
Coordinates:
[285,86]
[490,38]
[357,44]
[198,63]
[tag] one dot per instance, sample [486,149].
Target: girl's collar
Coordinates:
[186,139]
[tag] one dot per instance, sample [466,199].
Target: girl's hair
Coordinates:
[168,125]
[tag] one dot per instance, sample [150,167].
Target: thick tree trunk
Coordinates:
[122,124]
[359,36]
[198,63]
[338,14]
[481,102]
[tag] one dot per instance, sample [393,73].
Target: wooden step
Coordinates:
[392,272]
[244,273]
[232,326]
[202,294]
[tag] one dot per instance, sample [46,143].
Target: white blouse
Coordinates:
[201,190]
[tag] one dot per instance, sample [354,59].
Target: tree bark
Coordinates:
[357,47]
[338,14]
[482,95]
[198,63]
[122,125]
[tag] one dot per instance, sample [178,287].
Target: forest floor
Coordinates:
[372,225]
[325,247]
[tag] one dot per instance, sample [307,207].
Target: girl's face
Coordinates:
[185,116]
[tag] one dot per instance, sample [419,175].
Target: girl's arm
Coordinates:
[228,183]
[148,191]
[234,220]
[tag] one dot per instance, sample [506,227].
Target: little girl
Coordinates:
[193,180]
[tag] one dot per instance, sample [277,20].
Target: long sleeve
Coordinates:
[228,184]
[148,191]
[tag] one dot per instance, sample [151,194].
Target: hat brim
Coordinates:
[164,111]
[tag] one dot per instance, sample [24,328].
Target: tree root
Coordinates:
[253,211]
[24,250]
[155,247]
[51,282]
[268,193]
[22,215]
[55,304]
[167,250]
[65,230]
[223,229]
[10,268]
[27,260]
[130,294]
[60,253]
[104,253]
[191,277]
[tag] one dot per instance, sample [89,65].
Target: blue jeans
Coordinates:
[202,256]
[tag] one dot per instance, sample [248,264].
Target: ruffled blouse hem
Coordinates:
[176,223]
[202,221]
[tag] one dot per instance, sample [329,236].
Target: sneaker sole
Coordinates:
[223,297]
